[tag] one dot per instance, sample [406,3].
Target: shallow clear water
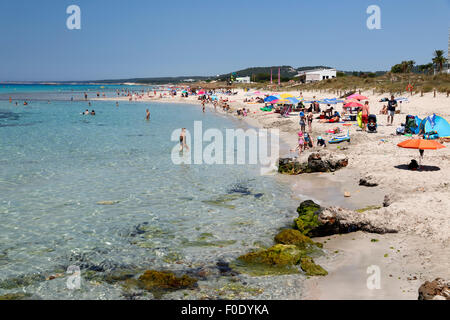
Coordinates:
[56,165]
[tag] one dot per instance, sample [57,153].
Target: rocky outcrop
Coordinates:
[316,162]
[368,181]
[278,255]
[293,237]
[152,279]
[310,268]
[315,221]
[438,289]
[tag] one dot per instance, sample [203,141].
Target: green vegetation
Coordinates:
[368,208]
[310,268]
[307,217]
[292,237]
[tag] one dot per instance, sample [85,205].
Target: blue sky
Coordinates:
[146,38]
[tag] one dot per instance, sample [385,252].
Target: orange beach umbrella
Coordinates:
[421,144]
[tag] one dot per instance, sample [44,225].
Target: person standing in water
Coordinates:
[183,140]
[148,114]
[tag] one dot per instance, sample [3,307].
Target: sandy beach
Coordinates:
[419,200]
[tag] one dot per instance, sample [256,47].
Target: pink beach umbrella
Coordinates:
[353,105]
[201,92]
[357,97]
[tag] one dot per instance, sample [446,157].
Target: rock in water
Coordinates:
[279,255]
[438,289]
[315,221]
[293,237]
[316,162]
[311,269]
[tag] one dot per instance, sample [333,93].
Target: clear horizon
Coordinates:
[143,39]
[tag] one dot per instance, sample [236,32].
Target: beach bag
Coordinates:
[413,165]
[401,130]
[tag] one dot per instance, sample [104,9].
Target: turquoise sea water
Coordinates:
[57,165]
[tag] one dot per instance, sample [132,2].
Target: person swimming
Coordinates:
[183,140]
[92,112]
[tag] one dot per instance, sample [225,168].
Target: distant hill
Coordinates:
[285,71]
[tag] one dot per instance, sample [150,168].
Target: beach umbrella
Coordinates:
[283,101]
[357,97]
[270,99]
[353,105]
[201,92]
[286,95]
[293,100]
[421,145]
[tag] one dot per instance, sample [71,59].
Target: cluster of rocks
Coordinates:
[438,289]
[316,162]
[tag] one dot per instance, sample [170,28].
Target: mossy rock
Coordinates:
[307,220]
[310,268]
[15,296]
[152,279]
[21,281]
[293,237]
[277,255]
[258,270]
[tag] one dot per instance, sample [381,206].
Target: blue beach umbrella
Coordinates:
[271,98]
[293,100]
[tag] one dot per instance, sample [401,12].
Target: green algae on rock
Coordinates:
[307,220]
[21,281]
[293,237]
[368,208]
[310,268]
[15,296]
[277,255]
[152,279]
[276,260]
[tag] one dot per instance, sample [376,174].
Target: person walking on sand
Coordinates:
[148,114]
[183,140]
[302,121]
[310,120]
[365,115]
[301,143]
[392,104]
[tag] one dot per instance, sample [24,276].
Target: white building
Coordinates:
[243,79]
[316,75]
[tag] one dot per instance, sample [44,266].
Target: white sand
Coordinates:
[420,199]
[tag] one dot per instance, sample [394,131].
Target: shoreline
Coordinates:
[422,251]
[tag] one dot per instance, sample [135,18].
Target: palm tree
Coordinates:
[404,66]
[439,59]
